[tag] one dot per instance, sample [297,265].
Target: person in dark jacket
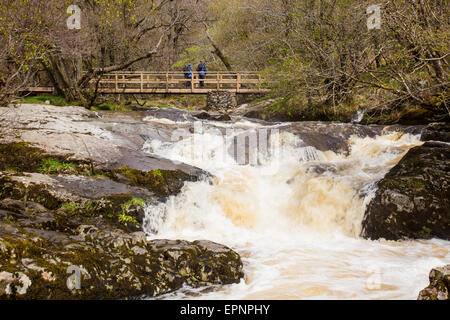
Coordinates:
[188,74]
[201,68]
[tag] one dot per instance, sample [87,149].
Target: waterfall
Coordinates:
[294,215]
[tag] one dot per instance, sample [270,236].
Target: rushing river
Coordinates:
[294,216]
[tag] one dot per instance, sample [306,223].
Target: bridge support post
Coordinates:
[221,100]
[167,82]
[238,82]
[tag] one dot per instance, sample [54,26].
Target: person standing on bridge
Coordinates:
[201,68]
[188,74]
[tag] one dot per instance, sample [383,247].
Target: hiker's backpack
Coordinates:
[202,68]
[187,72]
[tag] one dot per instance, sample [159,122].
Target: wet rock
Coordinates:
[173,114]
[73,186]
[107,264]
[160,182]
[91,236]
[330,136]
[439,131]
[78,200]
[413,200]
[212,116]
[78,135]
[439,288]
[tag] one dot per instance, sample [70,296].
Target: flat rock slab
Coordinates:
[73,187]
[87,135]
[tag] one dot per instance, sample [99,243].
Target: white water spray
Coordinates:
[296,225]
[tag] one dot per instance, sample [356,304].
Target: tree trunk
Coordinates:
[217,51]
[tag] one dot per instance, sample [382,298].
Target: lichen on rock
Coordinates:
[37,263]
[439,287]
[413,199]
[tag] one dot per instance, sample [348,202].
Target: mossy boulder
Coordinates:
[82,198]
[160,182]
[106,264]
[438,131]
[21,157]
[439,288]
[413,200]
[406,114]
[95,240]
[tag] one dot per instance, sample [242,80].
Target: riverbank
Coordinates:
[73,185]
[364,111]
[273,108]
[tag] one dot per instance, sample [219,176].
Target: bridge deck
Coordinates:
[174,82]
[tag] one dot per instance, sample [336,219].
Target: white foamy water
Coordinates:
[295,219]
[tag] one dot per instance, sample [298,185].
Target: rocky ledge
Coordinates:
[73,186]
[55,229]
[413,200]
[90,262]
[439,288]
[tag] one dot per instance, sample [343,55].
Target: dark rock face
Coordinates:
[413,200]
[96,263]
[173,114]
[52,225]
[212,116]
[439,288]
[439,131]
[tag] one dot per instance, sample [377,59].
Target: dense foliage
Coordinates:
[317,52]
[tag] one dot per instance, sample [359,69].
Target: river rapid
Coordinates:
[292,210]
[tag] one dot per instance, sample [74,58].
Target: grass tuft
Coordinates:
[51,166]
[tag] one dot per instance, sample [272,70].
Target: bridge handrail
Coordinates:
[175,81]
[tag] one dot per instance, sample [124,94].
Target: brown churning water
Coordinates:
[297,225]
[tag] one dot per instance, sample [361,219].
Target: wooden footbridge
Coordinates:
[174,82]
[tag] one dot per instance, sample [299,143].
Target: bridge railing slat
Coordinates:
[175,81]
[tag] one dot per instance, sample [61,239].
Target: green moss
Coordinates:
[133,202]
[20,156]
[89,205]
[157,173]
[54,100]
[410,183]
[51,166]
[34,192]
[124,218]
[69,207]
[109,107]
[152,180]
